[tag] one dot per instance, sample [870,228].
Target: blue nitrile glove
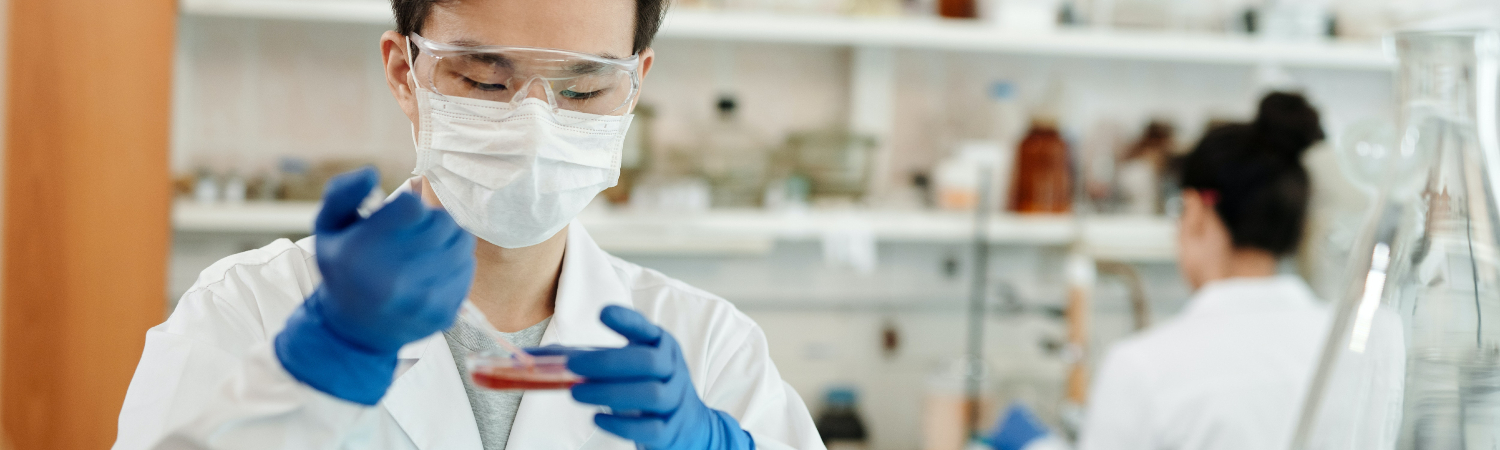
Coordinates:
[647,387]
[1019,428]
[390,279]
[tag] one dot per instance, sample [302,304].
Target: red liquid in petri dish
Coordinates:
[534,378]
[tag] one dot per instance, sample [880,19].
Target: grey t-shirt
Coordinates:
[494,411]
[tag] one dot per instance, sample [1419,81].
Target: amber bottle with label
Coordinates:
[1043,181]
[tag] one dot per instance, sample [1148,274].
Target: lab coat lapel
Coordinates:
[429,401]
[551,419]
[588,284]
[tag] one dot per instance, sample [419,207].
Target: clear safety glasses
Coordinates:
[567,80]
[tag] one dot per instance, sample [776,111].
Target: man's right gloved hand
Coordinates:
[390,279]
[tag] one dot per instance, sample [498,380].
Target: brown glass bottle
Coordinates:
[1043,182]
[957,9]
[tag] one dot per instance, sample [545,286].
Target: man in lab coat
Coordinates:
[349,339]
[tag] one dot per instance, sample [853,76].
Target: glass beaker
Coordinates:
[1413,359]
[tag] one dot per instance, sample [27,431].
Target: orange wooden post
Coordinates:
[87,198]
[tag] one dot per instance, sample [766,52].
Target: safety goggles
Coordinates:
[569,80]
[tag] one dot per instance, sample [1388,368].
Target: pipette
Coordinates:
[476,317]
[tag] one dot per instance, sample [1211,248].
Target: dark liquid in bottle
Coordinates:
[1043,182]
[957,9]
[505,378]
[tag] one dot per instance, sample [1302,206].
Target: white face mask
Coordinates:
[515,175]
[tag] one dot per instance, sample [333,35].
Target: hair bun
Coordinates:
[1287,124]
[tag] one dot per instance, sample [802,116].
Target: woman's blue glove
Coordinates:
[1017,430]
[647,387]
[390,279]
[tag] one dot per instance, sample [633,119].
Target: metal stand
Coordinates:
[975,351]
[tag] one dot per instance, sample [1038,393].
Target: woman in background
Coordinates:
[1230,371]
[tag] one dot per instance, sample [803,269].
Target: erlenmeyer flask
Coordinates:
[1413,360]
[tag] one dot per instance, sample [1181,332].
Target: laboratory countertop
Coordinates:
[750,231]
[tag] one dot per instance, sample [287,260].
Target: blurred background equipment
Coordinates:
[839,423]
[735,159]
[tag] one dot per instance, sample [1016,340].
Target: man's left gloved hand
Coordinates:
[647,387]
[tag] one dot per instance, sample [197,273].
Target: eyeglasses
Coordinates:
[569,80]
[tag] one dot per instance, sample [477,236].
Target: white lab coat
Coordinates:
[209,379]
[1228,373]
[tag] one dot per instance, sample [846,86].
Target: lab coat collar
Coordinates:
[1252,295]
[428,399]
[589,282]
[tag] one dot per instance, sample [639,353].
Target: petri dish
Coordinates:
[506,373]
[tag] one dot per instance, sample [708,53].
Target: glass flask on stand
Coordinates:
[1413,355]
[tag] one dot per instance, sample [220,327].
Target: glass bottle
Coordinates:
[1413,358]
[958,9]
[1043,182]
[735,159]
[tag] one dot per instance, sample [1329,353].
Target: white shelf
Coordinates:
[750,232]
[375,12]
[973,36]
[930,34]
[248,217]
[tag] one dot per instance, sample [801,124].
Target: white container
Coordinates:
[1031,16]
[957,178]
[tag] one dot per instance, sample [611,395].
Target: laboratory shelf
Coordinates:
[377,12]
[906,33]
[247,217]
[979,37]
[752,232]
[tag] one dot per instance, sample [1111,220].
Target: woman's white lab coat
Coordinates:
[1229,373]
[209,379]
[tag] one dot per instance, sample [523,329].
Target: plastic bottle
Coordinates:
[1008,115]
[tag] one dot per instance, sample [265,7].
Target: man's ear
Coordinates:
[393,48]
[647,57]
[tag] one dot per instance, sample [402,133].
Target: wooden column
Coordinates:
[87,201]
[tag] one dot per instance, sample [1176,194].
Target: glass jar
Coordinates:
[1043,183]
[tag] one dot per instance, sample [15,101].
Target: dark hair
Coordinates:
[411,14]
[1256,172]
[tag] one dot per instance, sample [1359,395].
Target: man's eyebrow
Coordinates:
[584,67]
[464,42]
[490,58]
